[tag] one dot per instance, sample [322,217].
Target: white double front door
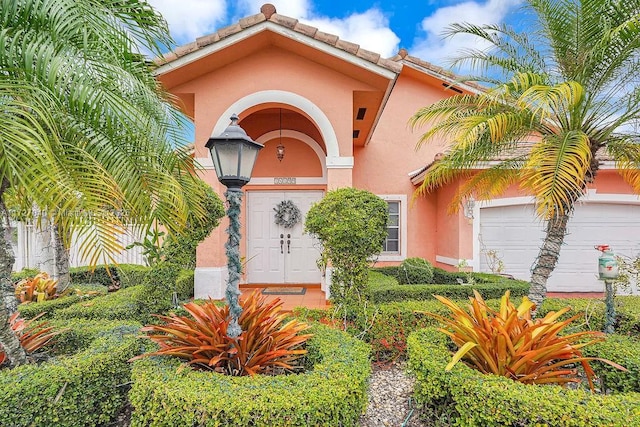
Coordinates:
[276,254]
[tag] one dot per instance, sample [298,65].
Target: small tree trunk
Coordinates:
[61,270]
[8,339]
[547,258]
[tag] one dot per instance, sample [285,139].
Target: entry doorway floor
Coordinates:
[312,297]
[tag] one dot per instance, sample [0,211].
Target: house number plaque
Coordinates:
[284,181]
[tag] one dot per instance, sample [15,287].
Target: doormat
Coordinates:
[285,290]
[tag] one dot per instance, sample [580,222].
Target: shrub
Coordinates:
[496,289]
[77,335]
[16,276]
[351,225]
[625,351]
[331,393]
[510,343]
[414,271]
[132,274]
[593,312]
[36,289]
[48,308]
[85,389]
[466,397]
[267,343]
[134,303]
[185,283]
[104,275]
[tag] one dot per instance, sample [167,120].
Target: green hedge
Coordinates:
[333,393]
[465,397]
[124,275]
[134,303]
[624,351]
[50,307]
[132,274]
[384,294]
[78,334]
[185,283]
[85,389]
[592,311]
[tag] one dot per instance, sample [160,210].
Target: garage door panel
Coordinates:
[516,235]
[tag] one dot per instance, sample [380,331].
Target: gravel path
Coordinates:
[390,402]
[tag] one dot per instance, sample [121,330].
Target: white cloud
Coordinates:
[369,29]
[433,48]
[189,19]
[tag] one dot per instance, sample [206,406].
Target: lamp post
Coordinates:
[234,154]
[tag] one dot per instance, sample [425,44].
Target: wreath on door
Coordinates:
[287,214]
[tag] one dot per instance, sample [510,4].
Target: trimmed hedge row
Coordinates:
[133,303]
[333,393]
[466,397]
[85,389]
[627,312]
[384,294]
[49,307]
[124,275]
[620,349]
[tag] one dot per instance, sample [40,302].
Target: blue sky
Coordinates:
[380,26]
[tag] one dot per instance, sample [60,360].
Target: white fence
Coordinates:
[32,249]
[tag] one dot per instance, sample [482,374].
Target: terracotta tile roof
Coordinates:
[268,13]
[521,151]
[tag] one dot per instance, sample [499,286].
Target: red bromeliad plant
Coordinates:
[267,342]
[32,335]
[36,289]
[508,342]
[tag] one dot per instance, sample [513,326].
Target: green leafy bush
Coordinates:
[85,389]
[102,274]
[461,292]
[467,397]
[49,308]
[415,271]
[185,283]
[132,274]
[331,393]
[16,276]
[593,310]
[78,334]
[351,225]
[625,351]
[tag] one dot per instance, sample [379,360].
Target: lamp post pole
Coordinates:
[232,247]
[233,153]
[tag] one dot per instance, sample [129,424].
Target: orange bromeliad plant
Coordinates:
[510,343]
[33,336]
[36,289]
[267,342]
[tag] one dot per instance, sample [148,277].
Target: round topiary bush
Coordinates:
[415,271]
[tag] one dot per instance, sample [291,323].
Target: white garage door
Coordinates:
[516,235]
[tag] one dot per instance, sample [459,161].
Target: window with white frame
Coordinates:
[395,245]
[392,242]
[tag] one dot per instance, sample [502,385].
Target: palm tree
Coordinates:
[86,133]
[564,90]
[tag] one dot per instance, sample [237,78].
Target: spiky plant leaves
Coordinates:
[268,342]
[33,335]
[36,289]
[509,342]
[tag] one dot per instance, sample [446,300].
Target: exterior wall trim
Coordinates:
[289,98]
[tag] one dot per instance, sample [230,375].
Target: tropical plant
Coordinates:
[351,226]
[269,343]
[510,343]
[33,335]
[562,91]
[87,135]
[36,289]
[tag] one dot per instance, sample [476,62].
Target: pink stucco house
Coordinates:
[341,114]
